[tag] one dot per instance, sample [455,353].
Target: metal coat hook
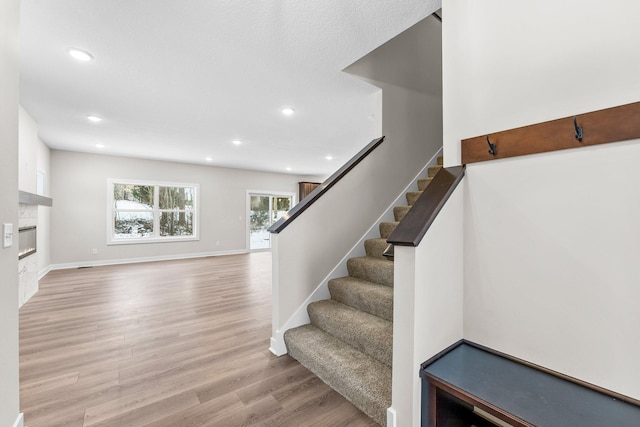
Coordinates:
[492,147]
[579,132]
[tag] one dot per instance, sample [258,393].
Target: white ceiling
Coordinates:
[179,80]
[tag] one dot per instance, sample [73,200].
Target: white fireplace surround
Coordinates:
[28,266]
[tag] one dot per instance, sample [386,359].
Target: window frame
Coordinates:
[156,212]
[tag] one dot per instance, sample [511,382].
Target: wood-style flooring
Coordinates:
[175,343]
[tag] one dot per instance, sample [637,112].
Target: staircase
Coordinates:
[349,342]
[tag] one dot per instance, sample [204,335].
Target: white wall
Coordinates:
[9,392]
[317,241]
[79,192]
[34,157]
[27,151]
[551,240]
[428,305]
[43,162]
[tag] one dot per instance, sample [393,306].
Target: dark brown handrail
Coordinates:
[424,211]
[305,203]
[597,127]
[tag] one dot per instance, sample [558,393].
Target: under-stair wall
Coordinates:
[428,305]
[551,241]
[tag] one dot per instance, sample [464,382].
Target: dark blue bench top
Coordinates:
[532,395]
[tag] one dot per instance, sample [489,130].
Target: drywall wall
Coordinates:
[9,78]
[43,162]
[411,121]
[34,158]
[27,151]
[551,240]
[428,305]
[79,192]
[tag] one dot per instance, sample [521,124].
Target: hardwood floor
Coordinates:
[176,343]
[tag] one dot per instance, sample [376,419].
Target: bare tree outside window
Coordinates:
[148,211]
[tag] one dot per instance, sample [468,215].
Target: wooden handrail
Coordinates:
[597,127]
[305,203]
[424,211]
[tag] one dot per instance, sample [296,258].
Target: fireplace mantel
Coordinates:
[33,199]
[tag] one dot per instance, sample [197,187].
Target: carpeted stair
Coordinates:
[349,342]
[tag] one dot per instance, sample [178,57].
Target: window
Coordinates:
[151,212]
[264,210]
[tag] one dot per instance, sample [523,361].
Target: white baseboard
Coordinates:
[277,344]
[44,272]
[392,420]
[19,421]
[143,259]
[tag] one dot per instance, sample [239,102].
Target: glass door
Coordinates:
[264,210]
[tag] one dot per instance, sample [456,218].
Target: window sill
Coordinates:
[155,240]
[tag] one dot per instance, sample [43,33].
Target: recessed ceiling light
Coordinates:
[80,55]
[236,142]
[100,145]
[94,119]
[288,111]
[329,157]
[288,168]
[208,159]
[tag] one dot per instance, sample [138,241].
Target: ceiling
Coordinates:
[180,80]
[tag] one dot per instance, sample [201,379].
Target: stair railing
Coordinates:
[306,203]
[420,217]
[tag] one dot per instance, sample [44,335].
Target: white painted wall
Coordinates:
[79,192]
[27,151]
[316,242]
[9,78]
[43,161]
[552,240]
[34,156]
[427,306]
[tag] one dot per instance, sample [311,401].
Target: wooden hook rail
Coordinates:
[598,127]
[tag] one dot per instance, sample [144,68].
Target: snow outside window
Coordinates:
[141,212]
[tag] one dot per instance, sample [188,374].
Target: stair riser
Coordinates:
[433,170]
[423,183]
[400,211]
[368,297]
[365,269]
[375,247]
[412,196]
[386,228]
[369,334]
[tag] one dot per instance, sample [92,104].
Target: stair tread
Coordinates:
[370,334]
[377,270]
[369,297]
[362,380]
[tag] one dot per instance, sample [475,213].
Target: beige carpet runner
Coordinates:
[349,342]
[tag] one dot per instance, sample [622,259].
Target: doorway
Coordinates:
[264,210]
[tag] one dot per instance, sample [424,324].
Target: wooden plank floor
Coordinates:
[175,343]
